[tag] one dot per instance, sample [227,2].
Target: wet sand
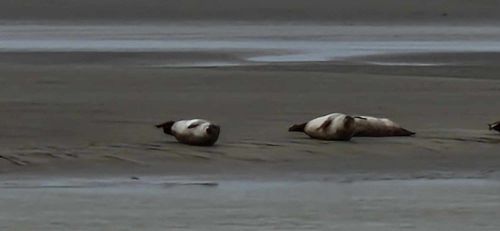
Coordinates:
[103,117]
[76,130]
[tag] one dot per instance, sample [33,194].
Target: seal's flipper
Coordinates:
[405,132]
[495,126]
[167,127]
[325,124]
[193,125]
[360,117]
[297,127]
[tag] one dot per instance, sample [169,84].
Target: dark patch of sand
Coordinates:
[388,11]
[125,58]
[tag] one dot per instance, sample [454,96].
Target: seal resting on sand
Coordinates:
[495,126]
[378,127]
[193,132]
[335,126]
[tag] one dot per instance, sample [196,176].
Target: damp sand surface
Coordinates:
[58,117]
[76,130]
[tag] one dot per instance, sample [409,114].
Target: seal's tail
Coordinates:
[405,132]
[167,127]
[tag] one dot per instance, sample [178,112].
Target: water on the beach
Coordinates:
[249,43]
[83,82]
[156,204]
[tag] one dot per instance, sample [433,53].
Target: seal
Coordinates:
[378,127]
[193,132]
[495,126]
[335,126]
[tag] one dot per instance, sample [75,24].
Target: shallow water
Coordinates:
[254,205]
[251,42]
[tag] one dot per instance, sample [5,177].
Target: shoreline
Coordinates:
[229,205]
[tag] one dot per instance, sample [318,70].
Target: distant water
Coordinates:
[254,43]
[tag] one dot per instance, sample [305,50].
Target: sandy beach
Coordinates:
[77,109]
[71,114]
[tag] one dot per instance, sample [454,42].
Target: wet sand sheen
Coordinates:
[71,119]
